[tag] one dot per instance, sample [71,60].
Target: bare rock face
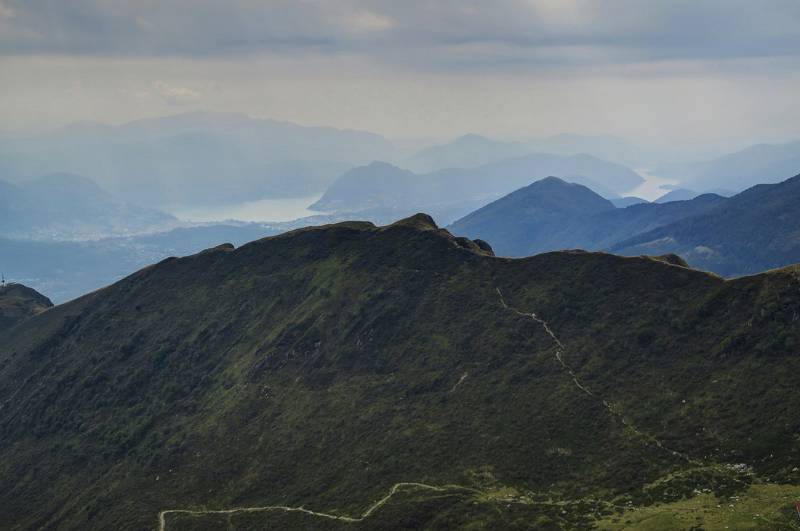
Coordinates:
[671,258]
[484,246]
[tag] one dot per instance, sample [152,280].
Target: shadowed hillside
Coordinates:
[18,302]
[552,214]
[390,377]
[756,230]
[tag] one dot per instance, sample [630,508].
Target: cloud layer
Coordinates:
[458,33]
[412,67]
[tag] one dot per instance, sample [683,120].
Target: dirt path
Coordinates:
[463,377]
[560,349]
[162,516]
[559,356]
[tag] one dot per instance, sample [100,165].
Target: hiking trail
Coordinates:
[560,350]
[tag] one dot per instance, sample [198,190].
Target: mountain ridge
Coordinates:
[386,192]
[321,367]
[179,159]
[540,218]
[18,303]
[752,231]
[740,170]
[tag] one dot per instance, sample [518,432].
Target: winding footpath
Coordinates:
[162,516]
[559,356]
[560,349]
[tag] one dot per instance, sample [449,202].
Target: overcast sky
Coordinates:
[670,69]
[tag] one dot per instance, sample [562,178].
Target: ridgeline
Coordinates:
[399,377]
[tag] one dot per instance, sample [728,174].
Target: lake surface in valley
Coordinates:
[651,189]
[297,207]
[261,210]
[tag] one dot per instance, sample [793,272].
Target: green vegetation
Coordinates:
[321,367]
[18,302]
[759,507]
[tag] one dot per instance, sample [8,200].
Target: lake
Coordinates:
[261,210]
[651,189]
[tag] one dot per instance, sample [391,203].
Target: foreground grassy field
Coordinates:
[761,506]
[764,506]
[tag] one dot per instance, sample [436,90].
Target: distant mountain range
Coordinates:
[552,214]
[472,150]
[71,207]
[206,158]
[468,151]
[678,194]
[355,377]
[195,158]
[622,202]
[748,233]
[760,164]
[544,216]
[751,232]
[535,218]
[451,193]
[724,175]
[607,147]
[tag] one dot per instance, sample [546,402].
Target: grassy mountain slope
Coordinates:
[18,302]
[321,367]
[66,270]
[756,230]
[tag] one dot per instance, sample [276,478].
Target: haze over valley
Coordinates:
[81,235]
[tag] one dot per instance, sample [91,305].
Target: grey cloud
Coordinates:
[418,32]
